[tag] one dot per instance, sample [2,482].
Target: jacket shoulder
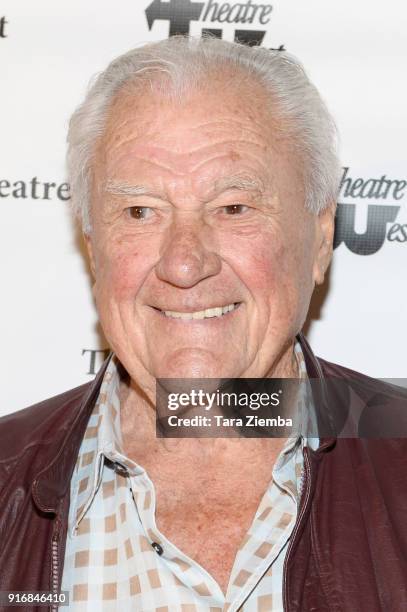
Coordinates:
[379,407]
[363,381]
[41,423]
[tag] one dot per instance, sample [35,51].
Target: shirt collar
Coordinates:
[106,446]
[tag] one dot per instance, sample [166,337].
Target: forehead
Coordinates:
[212,130]
[223,94]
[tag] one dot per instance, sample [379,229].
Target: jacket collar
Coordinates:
[52,482]
[314,371]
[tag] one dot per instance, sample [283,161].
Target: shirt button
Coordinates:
[157,547]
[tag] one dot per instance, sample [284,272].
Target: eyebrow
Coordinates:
[126,189]
[240,182]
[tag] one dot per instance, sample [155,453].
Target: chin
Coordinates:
[193,364]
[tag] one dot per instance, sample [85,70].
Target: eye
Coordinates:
[235,209]
[139,212]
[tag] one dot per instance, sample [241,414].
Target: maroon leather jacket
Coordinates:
[348,550]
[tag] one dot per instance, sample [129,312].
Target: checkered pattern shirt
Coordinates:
[117,559]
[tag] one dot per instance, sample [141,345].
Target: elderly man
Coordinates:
[205,175]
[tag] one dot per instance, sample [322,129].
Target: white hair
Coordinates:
[187,62]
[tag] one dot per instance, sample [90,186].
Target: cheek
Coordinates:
[277,272]
[265,266]
[119,275]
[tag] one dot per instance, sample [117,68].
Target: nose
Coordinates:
[187,256]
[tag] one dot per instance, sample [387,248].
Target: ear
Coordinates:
[325,226]
[89,248]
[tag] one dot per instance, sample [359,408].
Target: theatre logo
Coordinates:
[94,359]
[34,189]
[3,27]
[382,221]
[214,17]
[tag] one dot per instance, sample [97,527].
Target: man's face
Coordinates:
[199,206]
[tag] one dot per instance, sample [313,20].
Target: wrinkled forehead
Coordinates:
[226,94]
[235,126]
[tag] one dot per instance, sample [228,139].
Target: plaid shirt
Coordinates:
[117,559]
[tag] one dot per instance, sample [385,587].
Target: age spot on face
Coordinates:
[234,156]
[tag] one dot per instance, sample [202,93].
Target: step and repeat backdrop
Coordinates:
[355,52]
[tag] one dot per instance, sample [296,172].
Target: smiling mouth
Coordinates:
[208,313]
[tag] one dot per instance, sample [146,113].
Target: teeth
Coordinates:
[213,312]
[200,314]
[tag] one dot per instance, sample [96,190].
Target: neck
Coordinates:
[138,423]
[286,365]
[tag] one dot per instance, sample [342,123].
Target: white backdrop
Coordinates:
[355,52]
